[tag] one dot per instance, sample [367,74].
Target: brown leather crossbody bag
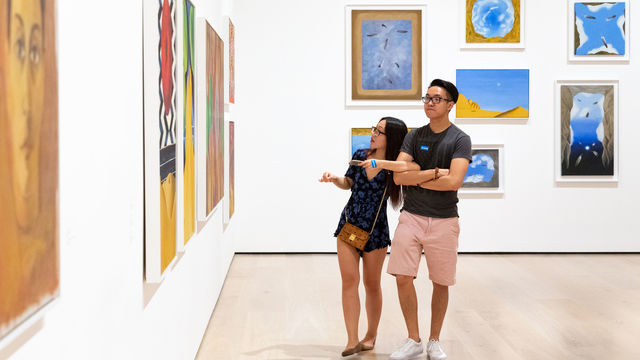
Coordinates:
[355,236]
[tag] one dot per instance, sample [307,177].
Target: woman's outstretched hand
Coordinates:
[328,177]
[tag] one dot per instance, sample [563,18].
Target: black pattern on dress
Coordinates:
[364,202]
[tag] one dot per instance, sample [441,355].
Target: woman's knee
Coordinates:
[350,281]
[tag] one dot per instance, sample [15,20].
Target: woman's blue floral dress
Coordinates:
[364,202]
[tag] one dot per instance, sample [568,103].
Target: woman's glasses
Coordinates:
[376,132]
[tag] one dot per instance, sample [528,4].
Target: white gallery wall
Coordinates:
[294,125]
[105,309]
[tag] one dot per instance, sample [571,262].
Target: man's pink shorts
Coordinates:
[439,239]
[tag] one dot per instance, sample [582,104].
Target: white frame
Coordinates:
[500,188]
[557,123]
[349,101]
[463,27]
[596,58]
[505,120]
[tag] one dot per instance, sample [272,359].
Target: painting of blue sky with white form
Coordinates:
[493,18]
[386,54]
[588,147]
[484,170]
[600,29]
[493,93]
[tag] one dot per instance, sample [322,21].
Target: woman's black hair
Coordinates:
[395,131]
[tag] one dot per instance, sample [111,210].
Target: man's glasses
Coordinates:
[376,132]
[435,100]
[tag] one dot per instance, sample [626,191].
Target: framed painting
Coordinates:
[232,63]
[29,211]
[586,122]
[210,129]
[598,31]
[492,24]
[188,140]
[384,55]
[160,118]
[493,94]
[485,174]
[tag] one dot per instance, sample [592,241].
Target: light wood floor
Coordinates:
[503,307]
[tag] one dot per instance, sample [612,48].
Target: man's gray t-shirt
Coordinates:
[431,150]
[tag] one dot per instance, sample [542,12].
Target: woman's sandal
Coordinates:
[354,350]
[367,347]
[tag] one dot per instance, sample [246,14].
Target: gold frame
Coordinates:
[357,92]
[513,36]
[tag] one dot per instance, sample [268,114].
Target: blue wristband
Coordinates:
[373,163]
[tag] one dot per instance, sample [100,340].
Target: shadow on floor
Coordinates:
[312,351]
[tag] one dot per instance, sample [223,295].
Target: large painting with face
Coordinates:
[29,245]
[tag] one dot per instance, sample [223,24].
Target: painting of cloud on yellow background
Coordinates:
[492,21]
[493,93]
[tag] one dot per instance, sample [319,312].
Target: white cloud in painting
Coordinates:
[480,159]
[474,178]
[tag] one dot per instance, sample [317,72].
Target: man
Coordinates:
[429,218]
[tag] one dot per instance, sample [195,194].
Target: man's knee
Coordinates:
[404,280]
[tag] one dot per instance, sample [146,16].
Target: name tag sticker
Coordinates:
[424,147]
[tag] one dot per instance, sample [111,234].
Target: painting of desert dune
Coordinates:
[493,93]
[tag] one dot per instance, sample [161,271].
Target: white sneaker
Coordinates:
[434,351]
[409,350]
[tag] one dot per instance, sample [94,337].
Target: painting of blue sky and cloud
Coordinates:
[493,18]
[600,28]
[386,54]
[493,93]
[484,170]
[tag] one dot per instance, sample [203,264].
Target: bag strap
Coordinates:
[377,214]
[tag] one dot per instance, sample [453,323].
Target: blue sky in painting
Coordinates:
[386,54]
[492,18]
[587,114]
[359,142]
[482,168]
[600,28]
[496,90]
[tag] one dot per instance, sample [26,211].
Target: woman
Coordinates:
[368,182]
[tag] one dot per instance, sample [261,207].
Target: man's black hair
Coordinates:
[451,89]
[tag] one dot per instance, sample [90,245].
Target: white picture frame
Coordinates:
[468,188]
[572,29]
[520,45]
[355,103]
[559,154]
